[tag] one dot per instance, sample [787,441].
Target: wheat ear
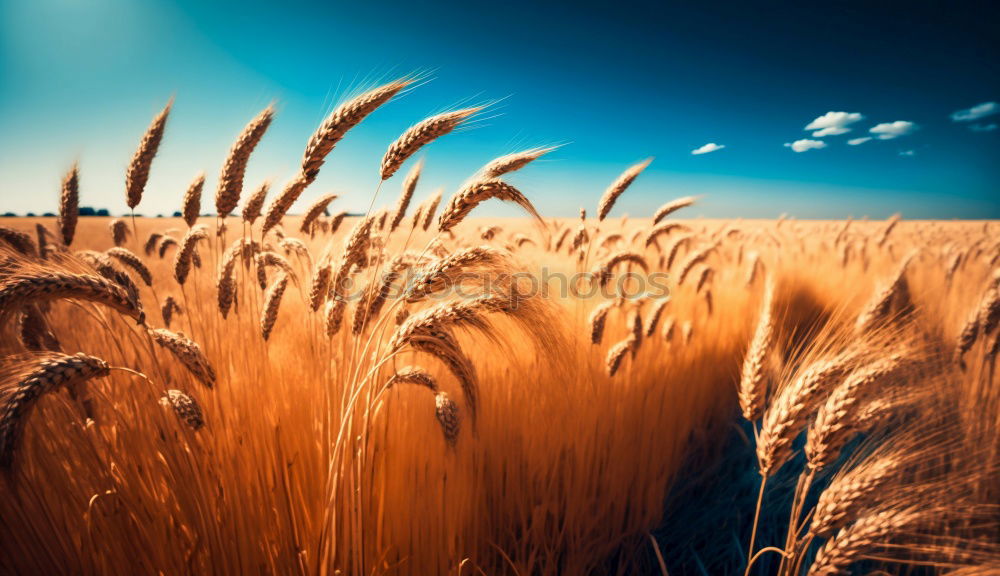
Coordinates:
[56,370]
[188,353]
[406,194]
[420,135]
[119,231]
[753,386]
[69,205]
[227,195]
[851,543]
[272,300]
[513,162]
[23,289]
[787,414]
[185,407]
[132,261]
[138,170]
[618,187]
[472,195]
[598,319]
[184,256]
[671,207]
[191,206]
[255,203]
[343,118]
[837,418]
[315,210]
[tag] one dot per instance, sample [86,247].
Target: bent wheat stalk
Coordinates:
[52,372]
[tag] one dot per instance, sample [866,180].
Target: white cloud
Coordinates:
[976,112]
[983,127]
[908,153]
[890,130]
[710,147]
[833,123]
[859,141]
[805,144]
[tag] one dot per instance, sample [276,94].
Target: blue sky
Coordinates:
[615,82]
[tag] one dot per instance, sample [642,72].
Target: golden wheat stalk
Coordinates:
[119,231]
[447,414]
[444,272]
[69,205]
[603,271]
[837,418]
[466,199]
[272,300]
[853,542]
[280,205]
[343,118]
[165,243]
[753,386]
[412,375]
[636,327]
[371,305]
[671,207]
[191,206]
[264,260]
[618,187]
[227,195]
[668,329]
[185,407]
[133,262]
[44,286]
[792,405]
[226,283]
[52,372]
[430,331]
[18,240]
[152,243]
[170,307]
[674,248]
[138,170]
[598,319]
[334,314]
[319,285]
[406,194]
[889,227]
[695,257]
[419,135]
[432,206]
[854,490]
[893,297]
[513,162]
[255,203]
[45,248]
[356,247]
[188,353]
[317,209]
[563,235]
[661,230]
[185,254]
[617,353]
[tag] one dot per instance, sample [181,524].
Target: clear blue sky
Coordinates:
[615,81]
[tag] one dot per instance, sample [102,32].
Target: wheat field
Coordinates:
[273,385]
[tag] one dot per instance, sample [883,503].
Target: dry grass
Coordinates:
[562,426]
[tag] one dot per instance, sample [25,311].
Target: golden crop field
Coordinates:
[280,388]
